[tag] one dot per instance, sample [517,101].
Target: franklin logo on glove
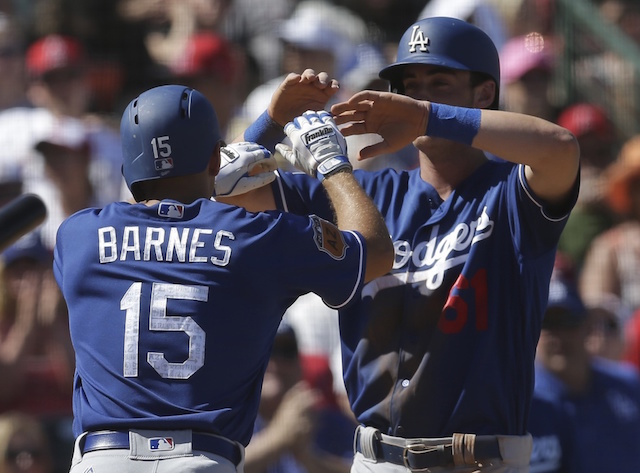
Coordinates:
[228,154]
[319,149]
[315,135]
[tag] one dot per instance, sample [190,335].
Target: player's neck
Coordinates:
[183,189]
[447,173]
[149,202]
[177,197]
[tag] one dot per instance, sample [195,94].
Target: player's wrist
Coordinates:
[332,166]
[265,131]
[458,124]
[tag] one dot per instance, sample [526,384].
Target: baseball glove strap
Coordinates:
[332,165]
[417,455]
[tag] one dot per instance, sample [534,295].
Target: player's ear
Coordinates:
[214,162]
[484,94]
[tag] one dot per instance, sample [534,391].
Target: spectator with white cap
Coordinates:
[319,36]
[481,13]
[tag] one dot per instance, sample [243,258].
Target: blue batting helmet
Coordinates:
[446,42]
[167,131]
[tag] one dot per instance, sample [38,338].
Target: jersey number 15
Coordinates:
[160,321]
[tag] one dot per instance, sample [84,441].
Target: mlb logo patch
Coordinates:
[170,210]
[161,444]
[163,164]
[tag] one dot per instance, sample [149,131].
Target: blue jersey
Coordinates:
[445,343]
[173,308]
[605,421]
[551,430]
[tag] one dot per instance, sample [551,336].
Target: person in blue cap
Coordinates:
[598,399]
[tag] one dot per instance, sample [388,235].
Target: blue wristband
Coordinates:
[265,131]
[453,123]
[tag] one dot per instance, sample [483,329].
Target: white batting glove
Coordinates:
[243,167]
[319,149]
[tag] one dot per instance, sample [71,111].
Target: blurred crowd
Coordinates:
[69,67]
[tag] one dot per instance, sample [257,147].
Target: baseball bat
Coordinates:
[19,217]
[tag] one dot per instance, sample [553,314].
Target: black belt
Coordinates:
[422,457]
[199,441]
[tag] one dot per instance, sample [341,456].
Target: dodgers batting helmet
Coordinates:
[167,131]
[446,42]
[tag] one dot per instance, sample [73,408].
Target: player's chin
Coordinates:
[430,145]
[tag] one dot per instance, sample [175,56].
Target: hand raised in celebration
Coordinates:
[398,119]
[299,93]
[319,149]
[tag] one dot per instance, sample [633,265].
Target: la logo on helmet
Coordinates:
[418,39]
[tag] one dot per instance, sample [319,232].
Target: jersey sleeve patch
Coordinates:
[328,238]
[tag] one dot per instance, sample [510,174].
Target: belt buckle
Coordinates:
[417,448]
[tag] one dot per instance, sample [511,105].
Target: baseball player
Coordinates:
[550,429]
[438,354]
[171,316]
